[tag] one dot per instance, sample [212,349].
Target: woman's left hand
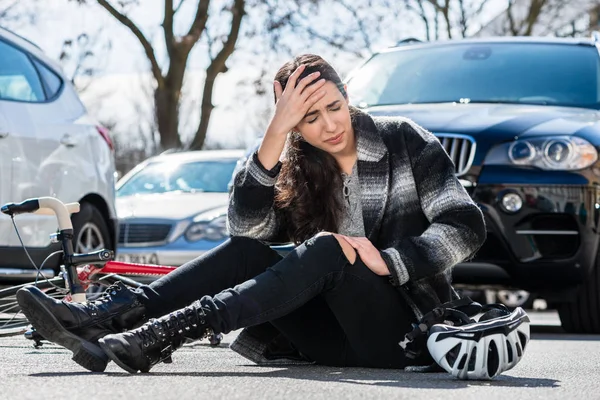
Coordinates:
[368,254]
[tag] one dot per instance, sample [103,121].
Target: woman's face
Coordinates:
[327,124]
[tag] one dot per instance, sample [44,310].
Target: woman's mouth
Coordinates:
[336,139]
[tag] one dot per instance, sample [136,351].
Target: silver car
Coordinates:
[173,207]
[49,146]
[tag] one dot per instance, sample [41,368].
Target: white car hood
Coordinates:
[169,205]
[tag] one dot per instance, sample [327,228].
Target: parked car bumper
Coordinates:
[553,236]
[175,253]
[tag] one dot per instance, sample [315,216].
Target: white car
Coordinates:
[49,146]
[173,207]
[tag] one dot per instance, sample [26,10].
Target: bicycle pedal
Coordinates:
[32,334]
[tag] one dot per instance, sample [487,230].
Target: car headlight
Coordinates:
[214,229]
[565,153]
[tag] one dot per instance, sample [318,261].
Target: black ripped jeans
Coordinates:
[334,312]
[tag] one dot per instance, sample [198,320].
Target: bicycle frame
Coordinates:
[87,273]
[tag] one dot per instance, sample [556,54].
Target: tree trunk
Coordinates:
[167,100]
[205,110]
[166,105]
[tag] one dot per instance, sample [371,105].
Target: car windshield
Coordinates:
[189,177]
[528,73]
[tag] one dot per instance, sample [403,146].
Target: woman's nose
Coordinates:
[329,124]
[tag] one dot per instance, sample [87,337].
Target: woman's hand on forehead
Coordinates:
[293,103]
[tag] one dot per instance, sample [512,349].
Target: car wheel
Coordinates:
[90,232]
[583,314]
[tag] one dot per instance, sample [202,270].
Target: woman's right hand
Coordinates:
[293,103]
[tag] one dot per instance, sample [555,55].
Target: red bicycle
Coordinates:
[82,276]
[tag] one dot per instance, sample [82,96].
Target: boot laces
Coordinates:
[187,322]
[108,294]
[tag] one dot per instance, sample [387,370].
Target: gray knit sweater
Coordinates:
[352,218]
[414,210]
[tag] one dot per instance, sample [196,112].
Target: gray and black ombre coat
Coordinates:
[415,212]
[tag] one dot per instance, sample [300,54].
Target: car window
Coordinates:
[530,73]
[19,79]
[52,81]
[190,177]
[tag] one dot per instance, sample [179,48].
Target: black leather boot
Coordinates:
[155,341]
[78,326]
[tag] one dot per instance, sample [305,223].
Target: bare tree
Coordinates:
[218,28]
[544,17]
[14,13]
[81,57]
[169,80]
[448,18]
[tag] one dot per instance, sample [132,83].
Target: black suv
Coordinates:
[520,118]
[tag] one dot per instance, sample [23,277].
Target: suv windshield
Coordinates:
[528,73]
[190,177]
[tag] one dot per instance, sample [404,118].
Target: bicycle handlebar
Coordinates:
[44,206]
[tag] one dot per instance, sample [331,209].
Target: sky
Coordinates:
[120,88]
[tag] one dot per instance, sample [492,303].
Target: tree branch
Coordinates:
[361,24]
[199,23]
[445,11]
[463,18]
[535,9]
[178,7]
[511,19]
[168,27]
[217,66]
[5,12]
[148,49]
[315,34]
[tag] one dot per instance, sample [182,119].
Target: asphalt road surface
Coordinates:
[555,366]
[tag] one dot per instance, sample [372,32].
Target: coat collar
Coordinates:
[373,171]
[369,145]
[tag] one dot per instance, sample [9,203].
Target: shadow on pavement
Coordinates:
[357,376]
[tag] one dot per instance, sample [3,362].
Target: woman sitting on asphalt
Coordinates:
[378,215]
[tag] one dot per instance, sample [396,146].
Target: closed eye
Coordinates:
[330,109]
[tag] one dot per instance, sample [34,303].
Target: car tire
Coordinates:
[90,230]
[583,314]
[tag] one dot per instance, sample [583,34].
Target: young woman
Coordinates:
[379,218]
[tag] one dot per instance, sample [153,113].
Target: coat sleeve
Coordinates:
[251,211]
[457,228]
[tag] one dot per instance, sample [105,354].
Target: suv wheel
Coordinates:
[583,314]
[90,232]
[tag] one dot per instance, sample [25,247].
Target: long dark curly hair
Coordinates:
[307,186]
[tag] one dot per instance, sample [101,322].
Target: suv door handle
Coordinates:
[68,141]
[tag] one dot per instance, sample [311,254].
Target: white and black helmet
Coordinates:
[481,349]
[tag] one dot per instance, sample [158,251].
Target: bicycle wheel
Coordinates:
[12,320]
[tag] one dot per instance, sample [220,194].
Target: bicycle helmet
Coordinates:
[481,349]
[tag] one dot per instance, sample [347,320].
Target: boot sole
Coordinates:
[114,358]
[86,354]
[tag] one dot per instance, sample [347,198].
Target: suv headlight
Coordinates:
[209,229]
[565,153]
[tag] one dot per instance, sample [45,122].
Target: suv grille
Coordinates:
[149,234]
[460,148]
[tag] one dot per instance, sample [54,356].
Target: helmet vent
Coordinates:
[519,351]
[473,359]
[510,351]
[493,359]
[523,339]
[453,354]
[462,362]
